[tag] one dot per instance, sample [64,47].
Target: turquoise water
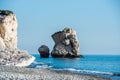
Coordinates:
[101,65]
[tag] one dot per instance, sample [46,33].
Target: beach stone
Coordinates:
[44,51]
[10,54]
[66,44]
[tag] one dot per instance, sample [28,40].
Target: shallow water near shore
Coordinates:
[100,65]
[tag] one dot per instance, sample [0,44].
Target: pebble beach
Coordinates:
[17,73]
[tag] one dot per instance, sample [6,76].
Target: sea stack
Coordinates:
[9,52]
[66,44]
[44,51]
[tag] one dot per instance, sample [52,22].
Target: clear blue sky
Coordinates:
[97,23]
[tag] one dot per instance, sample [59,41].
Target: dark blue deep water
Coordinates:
[100,65]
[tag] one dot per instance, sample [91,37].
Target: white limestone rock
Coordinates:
[2,45]
[8,28]
[9,53]
[15,57]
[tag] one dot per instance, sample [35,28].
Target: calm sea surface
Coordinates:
[101,65]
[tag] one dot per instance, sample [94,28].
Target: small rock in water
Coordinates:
[44,51]
[66,44]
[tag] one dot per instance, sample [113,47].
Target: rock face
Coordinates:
[2,44]
[9,53]
[66,44]
[8,29]
[44,51]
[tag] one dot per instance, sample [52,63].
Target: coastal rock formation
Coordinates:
[66,44]
[44,51]
[8,29]
[15,57]
[9,53]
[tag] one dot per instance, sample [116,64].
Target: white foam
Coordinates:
[41,65]
[35,62]
[85,71]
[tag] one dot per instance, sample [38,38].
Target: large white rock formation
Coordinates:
[8,29]
[9,53]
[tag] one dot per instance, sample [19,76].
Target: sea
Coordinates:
[98,65]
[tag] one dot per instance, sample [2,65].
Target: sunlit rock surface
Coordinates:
[9,53]
[66,44]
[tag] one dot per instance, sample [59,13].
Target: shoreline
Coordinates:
[13,73]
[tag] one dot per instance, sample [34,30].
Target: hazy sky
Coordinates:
[97,23]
